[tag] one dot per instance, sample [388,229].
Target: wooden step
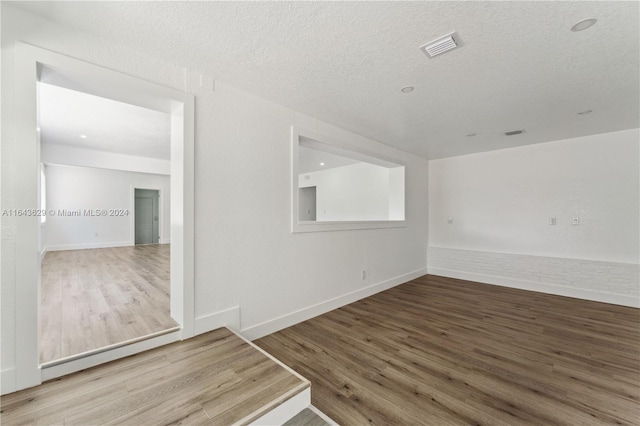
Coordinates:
[216,378]
[310,416]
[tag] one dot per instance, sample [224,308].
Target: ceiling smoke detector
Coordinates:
[441,45]
[514,132]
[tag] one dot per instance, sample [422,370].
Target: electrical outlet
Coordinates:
[576,221]
[552,221]
[363,275]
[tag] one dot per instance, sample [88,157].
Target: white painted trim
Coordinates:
[27,266]
[616,299]
[85,246]
[99,81]
[8,380]
[322,415]
[315,226]
[89,361]
[229,318]
[165,241]
[285,411]
[92,352]
[276,324]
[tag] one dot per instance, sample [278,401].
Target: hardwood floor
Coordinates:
[441,351]
[215,378]
[99,297]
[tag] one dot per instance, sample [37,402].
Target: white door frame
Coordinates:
[30,64]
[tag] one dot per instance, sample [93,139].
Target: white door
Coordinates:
[144,221]
[307,199]
[147,216]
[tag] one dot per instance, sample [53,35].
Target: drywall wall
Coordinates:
[396,193]
[72,156]
[355,192]
[501,202]
[245,254]
[92,208]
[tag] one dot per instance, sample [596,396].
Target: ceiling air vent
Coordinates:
[441,45]
[514,132]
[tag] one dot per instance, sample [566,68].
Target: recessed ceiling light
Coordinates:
[585,112]
[407,89]
[583,25]
[322,164]
[83,136]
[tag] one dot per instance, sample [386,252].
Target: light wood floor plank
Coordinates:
[216,378]
[99,297]
[445,351]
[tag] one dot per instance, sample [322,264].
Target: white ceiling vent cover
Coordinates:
[441,45]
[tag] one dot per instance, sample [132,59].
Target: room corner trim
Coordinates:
[8,380]
[226,318]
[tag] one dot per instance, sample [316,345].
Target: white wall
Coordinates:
[350,193]
[396,193]
[72,156]
[501,201]
[77,189]
[245,254]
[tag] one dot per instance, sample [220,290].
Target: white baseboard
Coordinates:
[88,246]
[229,318]
[276,324]
[165,241]
[8,380]
[616,299]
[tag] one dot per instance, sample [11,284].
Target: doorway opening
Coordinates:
[308,203]
[34,66]
[147,216]
[99,287]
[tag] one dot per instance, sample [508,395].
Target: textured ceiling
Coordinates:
[345,62]
[108,125]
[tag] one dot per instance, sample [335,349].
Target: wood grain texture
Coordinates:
[438,351]
[216,378]
[99,297]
